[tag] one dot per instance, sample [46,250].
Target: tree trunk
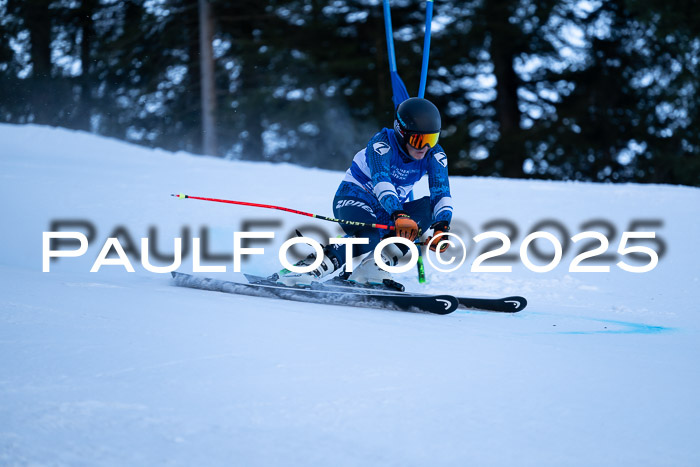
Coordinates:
[509,152]
[38,22]
[88,35]
[206,57]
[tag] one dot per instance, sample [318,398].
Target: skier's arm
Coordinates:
[378,159]
[439,184]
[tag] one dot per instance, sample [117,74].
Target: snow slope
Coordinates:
[118,368]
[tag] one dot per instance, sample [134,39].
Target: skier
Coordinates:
[375,190]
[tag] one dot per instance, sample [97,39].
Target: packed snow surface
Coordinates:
[122,368]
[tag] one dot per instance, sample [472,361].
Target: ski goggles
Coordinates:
[421,140]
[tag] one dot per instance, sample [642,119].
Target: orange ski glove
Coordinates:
[405,226]
[438,228]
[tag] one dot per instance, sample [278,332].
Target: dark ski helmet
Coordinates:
[417,123]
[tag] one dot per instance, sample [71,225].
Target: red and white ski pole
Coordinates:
[293,211]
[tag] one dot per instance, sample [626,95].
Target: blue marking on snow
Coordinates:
[628,327]
[631,328]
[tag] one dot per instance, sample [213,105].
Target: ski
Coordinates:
[511,304]
[437,304]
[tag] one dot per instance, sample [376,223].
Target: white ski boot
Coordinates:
[305,279]
[369,273]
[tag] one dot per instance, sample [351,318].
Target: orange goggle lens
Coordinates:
[419,141]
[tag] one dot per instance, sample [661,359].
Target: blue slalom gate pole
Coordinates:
[398,88]
[389,36]
[426,48]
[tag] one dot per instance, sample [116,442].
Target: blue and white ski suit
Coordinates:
[378,183]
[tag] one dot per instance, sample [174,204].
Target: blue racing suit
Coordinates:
[378,183]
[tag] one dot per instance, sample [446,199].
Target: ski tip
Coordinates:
[449,303]
[518,303]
